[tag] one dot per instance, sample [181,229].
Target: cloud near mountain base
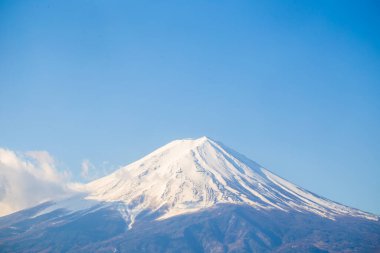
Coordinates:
[27,179]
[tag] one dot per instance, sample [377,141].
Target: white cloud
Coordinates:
[85,169]
[29,179]
[91,172]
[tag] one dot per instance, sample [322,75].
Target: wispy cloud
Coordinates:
[86,169]
[89,171]
[27,179]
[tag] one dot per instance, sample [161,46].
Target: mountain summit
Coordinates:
[194,195]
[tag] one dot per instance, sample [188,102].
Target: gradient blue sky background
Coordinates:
[294,85]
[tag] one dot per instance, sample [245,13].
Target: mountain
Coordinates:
[191,195]
[186,176]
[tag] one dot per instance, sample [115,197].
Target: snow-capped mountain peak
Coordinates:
[188,175]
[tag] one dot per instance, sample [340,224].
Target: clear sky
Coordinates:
[294,85]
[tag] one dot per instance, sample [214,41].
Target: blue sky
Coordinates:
[294,85]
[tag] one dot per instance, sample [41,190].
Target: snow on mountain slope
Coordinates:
[188,175]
